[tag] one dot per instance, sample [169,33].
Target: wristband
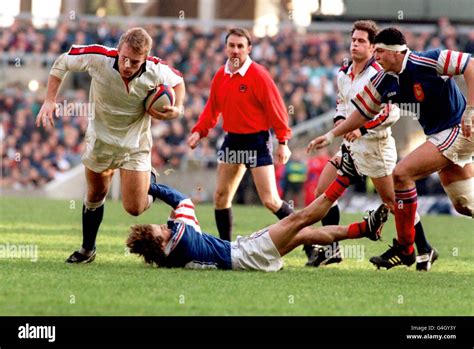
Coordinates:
[329,137]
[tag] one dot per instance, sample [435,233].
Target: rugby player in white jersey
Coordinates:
[118,134]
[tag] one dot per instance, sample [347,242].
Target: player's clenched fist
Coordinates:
[46,114]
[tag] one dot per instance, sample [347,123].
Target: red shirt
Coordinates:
[249,104]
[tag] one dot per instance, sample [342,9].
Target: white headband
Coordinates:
[391,47]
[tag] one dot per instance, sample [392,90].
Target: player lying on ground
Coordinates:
[180,242]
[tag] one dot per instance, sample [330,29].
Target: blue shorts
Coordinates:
[252,149]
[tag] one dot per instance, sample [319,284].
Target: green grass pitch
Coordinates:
[118,283]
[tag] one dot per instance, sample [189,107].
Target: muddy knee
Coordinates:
[461,194]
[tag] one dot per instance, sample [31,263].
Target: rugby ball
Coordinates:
[162,95]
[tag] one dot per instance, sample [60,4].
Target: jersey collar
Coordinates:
[368,64]
[242,70]
[139,73]
[405,60]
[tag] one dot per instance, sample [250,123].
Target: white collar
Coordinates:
[242,70]
[405,60]
[367,64]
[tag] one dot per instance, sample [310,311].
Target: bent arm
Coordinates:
[468,116]
[353,122]
[469,77]
[45,115]
[53,87]
[180,91]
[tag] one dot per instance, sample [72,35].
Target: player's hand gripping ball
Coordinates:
[162,96]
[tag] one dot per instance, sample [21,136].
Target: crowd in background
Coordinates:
[304,68]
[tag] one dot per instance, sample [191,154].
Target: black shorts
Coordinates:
[252,149]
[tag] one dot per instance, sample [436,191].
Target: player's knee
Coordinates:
[461,194]
[221,199]
[96,196]
[466,211]
[133,210]
[400,176]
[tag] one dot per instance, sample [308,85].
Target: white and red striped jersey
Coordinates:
[118,114]
[349,86]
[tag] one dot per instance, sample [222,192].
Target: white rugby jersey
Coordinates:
[349,86]
[119,116]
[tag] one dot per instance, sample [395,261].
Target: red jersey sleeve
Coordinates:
[274,106]
[210,114]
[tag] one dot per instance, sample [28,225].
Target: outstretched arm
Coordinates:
[183,207]
[77,59]
[47,110]
[355,121]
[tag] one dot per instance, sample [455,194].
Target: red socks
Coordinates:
[337,188]
[356,229]
[405,211]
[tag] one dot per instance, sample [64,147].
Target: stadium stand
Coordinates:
[303,65]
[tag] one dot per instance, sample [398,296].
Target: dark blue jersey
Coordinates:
[188,246]
[423,87]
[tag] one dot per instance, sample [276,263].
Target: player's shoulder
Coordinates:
[383,79]
[154,60]
[427,58]
[156,63]
[374,66]
[344,68]
[99,50]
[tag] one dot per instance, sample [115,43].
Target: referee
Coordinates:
[250,104]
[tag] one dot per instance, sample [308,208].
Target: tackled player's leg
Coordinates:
[288,238]
[319,254]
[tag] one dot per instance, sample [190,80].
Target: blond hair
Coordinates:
[138,39]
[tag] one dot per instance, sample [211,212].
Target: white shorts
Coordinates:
[373,157]
[100,156]
[453,145]
[255,252]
